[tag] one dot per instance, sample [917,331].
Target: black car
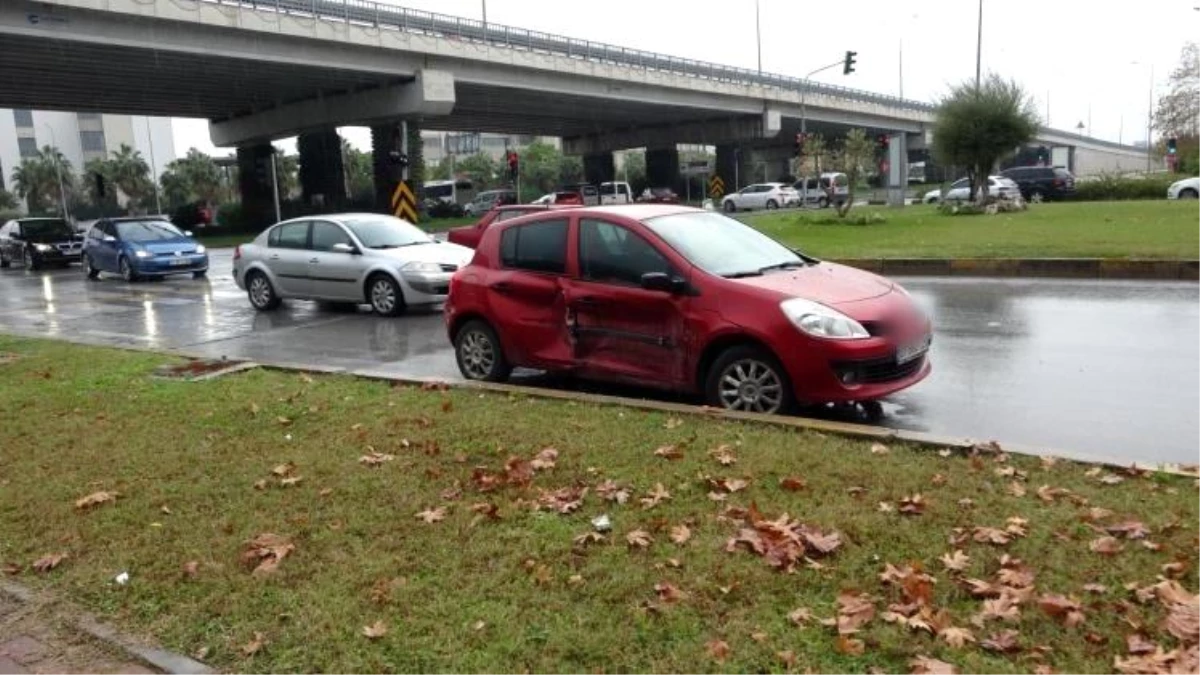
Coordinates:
[1042,183]
[35,242]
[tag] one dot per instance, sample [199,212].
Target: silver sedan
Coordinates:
[360,258]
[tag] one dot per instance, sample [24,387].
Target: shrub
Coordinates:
[989,208]
[860,218]
[1111,187]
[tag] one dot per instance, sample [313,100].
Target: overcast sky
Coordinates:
[1079,60]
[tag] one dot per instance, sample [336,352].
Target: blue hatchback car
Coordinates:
[141,246]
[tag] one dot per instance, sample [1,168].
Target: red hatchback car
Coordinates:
[681,299]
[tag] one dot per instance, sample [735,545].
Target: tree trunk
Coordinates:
[845,207]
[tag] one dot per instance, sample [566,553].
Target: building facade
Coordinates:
[81,137]
[437,145]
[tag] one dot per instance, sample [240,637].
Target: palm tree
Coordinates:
[36,180]
[130,173]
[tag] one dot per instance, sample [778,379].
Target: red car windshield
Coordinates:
[721,245]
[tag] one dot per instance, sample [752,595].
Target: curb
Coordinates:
[847,429]
[165,661]
[1064,268]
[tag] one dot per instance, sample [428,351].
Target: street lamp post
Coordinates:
[804,95]
[758,35]
[62,193]
[153,169]
[979,46]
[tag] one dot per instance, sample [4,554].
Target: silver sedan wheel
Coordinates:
[478,354]
[383,295]
[260,291]
[751,385]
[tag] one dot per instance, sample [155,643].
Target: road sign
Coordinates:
[716,187]
[404,203]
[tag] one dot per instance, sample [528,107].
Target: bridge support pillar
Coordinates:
[662,168]
[735,168]
[254,184]
[387,139]
[897,174]
[322,178]
[599,167]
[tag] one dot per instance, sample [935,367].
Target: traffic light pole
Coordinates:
[804,93]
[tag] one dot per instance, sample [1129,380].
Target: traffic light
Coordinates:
[100,186]
[848,66]
[884,142]
[513,164]
[798,146]
[1171,146]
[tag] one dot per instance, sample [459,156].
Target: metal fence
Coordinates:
[391,17]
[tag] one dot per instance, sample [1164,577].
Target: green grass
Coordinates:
[79,420]
[1141,229]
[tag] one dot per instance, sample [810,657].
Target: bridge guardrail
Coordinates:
[367,12]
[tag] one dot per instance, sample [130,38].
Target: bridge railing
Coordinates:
[392,17]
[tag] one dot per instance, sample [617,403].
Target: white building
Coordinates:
[81,137]
[438,144]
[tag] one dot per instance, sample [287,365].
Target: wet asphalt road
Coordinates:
[1110,369]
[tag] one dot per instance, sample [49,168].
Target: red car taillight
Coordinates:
[237,252]
[1058,182]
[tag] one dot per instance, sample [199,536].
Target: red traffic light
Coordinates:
[884,142]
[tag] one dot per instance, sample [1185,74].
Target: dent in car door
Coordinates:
[525,296]
[621,330]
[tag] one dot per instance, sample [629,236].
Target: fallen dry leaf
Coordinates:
[854,610]
[966,502]
[787,657]
[1064,609]
[724,455]
[11,568]
[792,483]
[1095,588]
[375,630]
[1005,641]
[913,505]
[374,458]
[669,593]
[1136,643]
[639,539]
[432,515]
[886,507]
[1050,494]
[668,452]
[588,538]
[728,485]
[96,499]
[290,481]
[1173,569]
[1130,529]
[255,644]
[563,500]
[191,569]
[945,452]
[800,616]
[479,625]
[937,480]
[849,646]
[956,637]
[680,534]
[1003,608]
[1048,461]
[266,551]
[1106,546]
[1016,526]
[879,449]
[611,491]
[49,561]
[1016,489]
[991,535]
[545,459]
[924,665]
[1111,479]
[655,497]
[283,421]
[1097,513]
[672,423]
[1157,662]
[717,649]
[285,469]
[260,484]
[955,562]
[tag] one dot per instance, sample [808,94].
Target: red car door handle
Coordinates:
[588,301]
[501,286]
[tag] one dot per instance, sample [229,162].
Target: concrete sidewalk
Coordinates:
[37,637]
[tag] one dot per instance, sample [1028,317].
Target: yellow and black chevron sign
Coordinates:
[404,203]
[716,187]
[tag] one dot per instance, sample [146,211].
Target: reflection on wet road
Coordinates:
[1107,368]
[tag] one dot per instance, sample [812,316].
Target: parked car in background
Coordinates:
[999,187]
[488,200]
[682,299]
[1188,188]
[1042,183]
[360,258]
[664,195]
[616,192]
[829,188]
[35,242]
[588,194]
[761,196]
[137,247]
[469,235]
[562,198]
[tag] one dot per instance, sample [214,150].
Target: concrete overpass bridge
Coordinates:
[260,70]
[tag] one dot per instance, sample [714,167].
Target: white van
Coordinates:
[817,192]
[616,192]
